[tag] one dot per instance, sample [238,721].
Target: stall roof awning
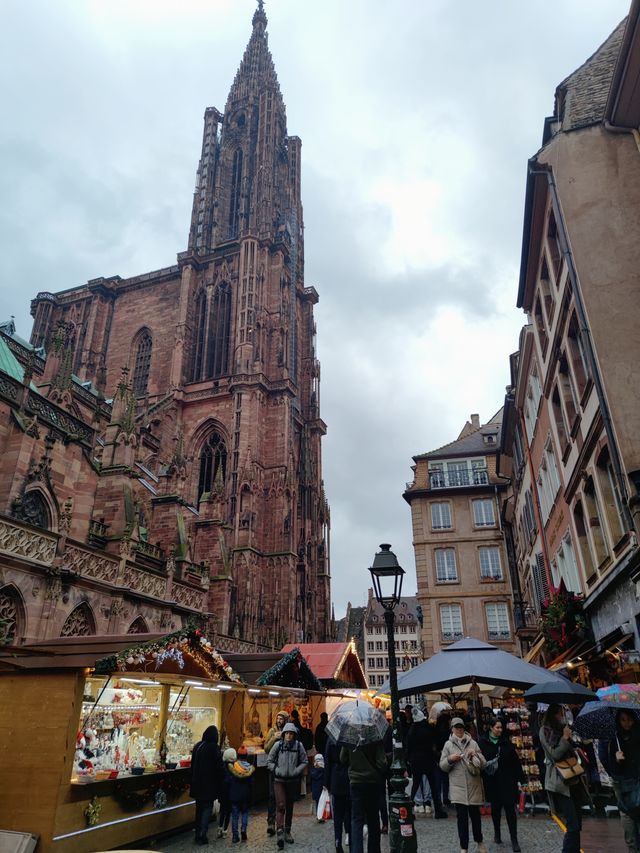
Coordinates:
[68,652]
[333,662]
[251,666]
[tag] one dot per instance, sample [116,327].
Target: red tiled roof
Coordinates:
[327,659]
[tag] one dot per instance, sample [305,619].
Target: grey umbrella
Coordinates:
[356,723]
[471,660]
[567,693]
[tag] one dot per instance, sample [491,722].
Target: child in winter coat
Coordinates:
[228,757]
[317,782]
[240,787]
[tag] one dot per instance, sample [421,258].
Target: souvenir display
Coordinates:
[520,733]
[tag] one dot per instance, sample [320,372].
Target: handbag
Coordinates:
[491,766]
[570,769]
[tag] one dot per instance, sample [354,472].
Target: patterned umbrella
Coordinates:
[356,723]
[622,695]
[598,719]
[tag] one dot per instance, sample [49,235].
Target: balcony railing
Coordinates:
[451,636]
[458,479]
[499,635]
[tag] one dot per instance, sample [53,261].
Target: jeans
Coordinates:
[237,810]
[509,813]
[421,790]
[341,809]
[432,778]
[225,813]
[365,808]
[286,793]
[204,810]
[464,813]
[572,818]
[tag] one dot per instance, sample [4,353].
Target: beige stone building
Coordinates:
[572,418]
[461,563]
[406,638]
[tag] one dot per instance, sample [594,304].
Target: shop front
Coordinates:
[97,735]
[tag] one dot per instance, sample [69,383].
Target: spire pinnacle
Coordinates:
[260,17]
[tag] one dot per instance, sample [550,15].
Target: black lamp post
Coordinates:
[387,574]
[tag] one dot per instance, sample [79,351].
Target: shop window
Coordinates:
[213,464]
[12,626]
[142,363]
[79,623]
[594,517]
[611,502]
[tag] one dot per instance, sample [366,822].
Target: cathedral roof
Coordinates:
[257,72]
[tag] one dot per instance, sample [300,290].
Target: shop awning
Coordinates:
[68,652]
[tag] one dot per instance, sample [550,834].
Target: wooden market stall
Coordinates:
[97,732]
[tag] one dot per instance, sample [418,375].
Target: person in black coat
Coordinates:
[501,787]
[336,781]
[320,735]
[422,759]
[207,772]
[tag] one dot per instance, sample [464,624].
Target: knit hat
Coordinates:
[289,727]
[229,755]
[318,760]
[457,721]
[242,750]
[417,715]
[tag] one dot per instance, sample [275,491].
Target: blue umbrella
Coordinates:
[598,719]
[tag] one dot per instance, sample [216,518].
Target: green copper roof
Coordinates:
[9,364]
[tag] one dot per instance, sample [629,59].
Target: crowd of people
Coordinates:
[450,763]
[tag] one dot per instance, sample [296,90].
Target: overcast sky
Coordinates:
[417,118]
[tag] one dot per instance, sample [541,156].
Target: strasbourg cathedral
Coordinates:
[160,436]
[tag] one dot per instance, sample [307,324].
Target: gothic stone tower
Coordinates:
[220,452]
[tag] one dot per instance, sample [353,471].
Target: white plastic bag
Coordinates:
[324,806]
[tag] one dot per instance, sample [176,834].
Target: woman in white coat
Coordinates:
[462,759]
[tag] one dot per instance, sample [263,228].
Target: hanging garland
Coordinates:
[92,812]
[189,641]
[291,670]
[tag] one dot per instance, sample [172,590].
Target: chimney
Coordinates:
[475,420]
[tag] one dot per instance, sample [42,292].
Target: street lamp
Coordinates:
[387,574]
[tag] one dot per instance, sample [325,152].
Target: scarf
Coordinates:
[493,738]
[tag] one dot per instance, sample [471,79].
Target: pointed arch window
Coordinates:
[220,323]
[79,623]
[200,336]
[213,465]
[142,364]
[138,626]
[11,615]
[234,201]
[33,509]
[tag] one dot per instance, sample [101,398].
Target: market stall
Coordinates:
[102,728]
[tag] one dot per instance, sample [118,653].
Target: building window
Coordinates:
[381,680]
[446,569]
[498,627]
[553,245]
[540,326]
[441,516]
[484,513]
[565,567]
[608,489]
[577,356]
[369,645]
[558,417]
[539,581]
[594,516]
[451,622]
[548,481]
[379,663]
[219,332]
[371,663]
[236,187]
[79,623]
[32,508]
[142,364]
[490,564]
[213,465]
[11,615]
[200,337]
[458,473]
[567,391]
[138,626]
[379,645]
[583,541]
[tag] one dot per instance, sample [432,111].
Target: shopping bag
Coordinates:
[324,806]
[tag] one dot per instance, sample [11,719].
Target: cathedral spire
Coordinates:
[257,72]
[259,16]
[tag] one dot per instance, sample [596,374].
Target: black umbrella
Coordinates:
[563,692]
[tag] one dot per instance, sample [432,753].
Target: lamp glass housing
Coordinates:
[387,576]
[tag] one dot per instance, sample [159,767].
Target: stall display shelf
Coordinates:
[520,733]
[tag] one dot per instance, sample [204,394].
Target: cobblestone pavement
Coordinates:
[536,834]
